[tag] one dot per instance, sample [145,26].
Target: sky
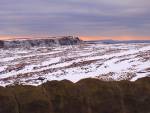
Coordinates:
[89,19]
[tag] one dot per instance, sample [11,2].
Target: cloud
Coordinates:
[75,17]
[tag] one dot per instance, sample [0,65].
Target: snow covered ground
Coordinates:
[36,65]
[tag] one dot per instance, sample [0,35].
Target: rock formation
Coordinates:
[68,40]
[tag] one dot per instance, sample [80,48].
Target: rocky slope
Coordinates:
[68,40]
[85,96]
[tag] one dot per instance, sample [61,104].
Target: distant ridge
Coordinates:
[118,41]
[35,38]
[49,41]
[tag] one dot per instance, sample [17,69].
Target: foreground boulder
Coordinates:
[85,96]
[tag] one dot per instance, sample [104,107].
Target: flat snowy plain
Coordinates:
[108,62]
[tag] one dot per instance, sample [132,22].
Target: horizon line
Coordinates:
[85,38]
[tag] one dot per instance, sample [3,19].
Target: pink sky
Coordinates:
[85,37]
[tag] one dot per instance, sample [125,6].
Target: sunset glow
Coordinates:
[81,37]
[114,38]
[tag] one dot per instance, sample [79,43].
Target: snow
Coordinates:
[2,68]
[141,75]
[52,60]
[141,68]
[74,62]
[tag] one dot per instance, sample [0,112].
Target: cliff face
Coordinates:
[68,40]
[85,96]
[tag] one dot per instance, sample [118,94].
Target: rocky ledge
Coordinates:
[85,96]
[52,41]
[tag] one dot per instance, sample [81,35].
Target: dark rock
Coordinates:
[1,44]
[68,40]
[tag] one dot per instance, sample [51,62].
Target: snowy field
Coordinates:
[33,66]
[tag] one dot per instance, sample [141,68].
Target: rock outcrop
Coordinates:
[85,96]
[68,40]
